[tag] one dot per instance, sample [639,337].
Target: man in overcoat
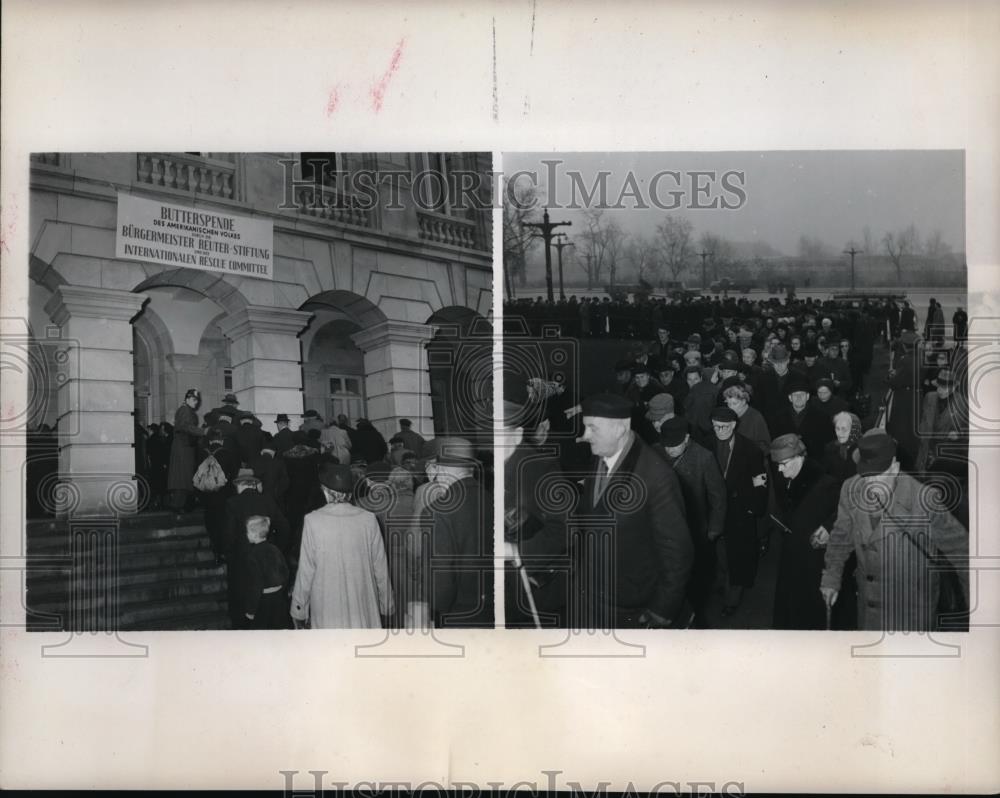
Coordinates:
[742,465]
[896,527]
[632,524]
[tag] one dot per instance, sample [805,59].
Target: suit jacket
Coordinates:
[891,563]
[650,542]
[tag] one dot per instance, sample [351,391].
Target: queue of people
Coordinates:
[756,421]
[321,527]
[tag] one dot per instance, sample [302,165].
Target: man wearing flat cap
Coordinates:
[704,492]
[896,527]
[343,574]
[743,470]
[806,499]
[461,584]
[644,554]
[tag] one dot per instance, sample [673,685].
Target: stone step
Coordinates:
[56,589]
[208,620]
[168,613]
[60,539]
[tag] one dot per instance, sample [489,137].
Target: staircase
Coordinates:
[166,578]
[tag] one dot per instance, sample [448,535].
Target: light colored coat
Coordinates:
[897,588]
[343,576]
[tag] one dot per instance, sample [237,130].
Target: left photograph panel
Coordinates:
[260,391]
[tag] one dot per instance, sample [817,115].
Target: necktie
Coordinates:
[602,480]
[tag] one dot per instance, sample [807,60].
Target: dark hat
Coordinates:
[607,405]
[230,399]
[281,418]
[876,451]
[624,365]
[673,431]
[246,475]
[312,414]
[693,369]
[796,381]
[944,377]
[778,353]
[810,350]
[659,406]
[405,422]
[825,382]
[453,452]
[786,446]
[730,357]
[694,338]
[336,476]
[396,439]
[192,392]
[640,368]
[724,414]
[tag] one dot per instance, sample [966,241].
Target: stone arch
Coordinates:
[210,284]
[361,310]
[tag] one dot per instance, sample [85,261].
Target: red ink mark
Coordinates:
[333,100]
[378,90]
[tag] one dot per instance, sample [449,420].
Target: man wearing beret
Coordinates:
[704,500]
[632,502]
[742,465]
[895,526]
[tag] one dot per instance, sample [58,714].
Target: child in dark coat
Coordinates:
[263,589]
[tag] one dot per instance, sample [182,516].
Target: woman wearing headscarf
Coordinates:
[838,454]
[183,452]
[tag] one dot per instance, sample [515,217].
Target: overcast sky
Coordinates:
[827,194]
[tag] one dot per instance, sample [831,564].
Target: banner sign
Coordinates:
[160,232]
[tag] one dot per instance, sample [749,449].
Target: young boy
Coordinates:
[263,593]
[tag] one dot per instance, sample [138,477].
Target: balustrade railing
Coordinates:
[443,229]
[322,202]
[190,173]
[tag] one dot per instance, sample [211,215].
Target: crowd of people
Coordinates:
[330,525]
[735,423]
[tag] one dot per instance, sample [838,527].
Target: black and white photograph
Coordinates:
[739,382]
[261,390]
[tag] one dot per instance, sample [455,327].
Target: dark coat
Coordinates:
[283,440]
[837,466]
[462,557]
[250,439]
[812,425]
[746,500]
[368,443]
[184,449]
[273,474]
[804,504]
[539,530]
[650,545]
[243,505]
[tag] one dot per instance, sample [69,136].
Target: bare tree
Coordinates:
[674,238]
[898,246]
[518,240]
[813,249]
[600,244]
[935,246]
[641,253]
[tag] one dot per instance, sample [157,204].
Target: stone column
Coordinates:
[96,401]
[266,360]
[397,382]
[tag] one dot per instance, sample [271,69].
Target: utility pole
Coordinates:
[560,244]
[852,252]
[704,281]
[590,278]
[546,227]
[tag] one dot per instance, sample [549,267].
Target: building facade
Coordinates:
[374,289]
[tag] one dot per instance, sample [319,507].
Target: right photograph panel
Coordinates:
[735,390]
